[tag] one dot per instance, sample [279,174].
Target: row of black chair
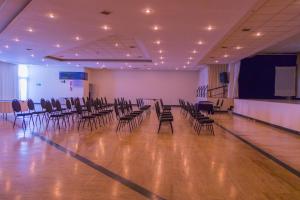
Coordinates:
[196,117]
[126,115]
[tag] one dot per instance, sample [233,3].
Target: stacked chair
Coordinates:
[164,116]
[194,114]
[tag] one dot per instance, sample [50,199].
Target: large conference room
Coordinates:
[150,99]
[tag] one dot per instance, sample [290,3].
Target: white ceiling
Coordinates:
[181,25]
[275,20]
[290,45]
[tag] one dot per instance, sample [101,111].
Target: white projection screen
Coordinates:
[285,81]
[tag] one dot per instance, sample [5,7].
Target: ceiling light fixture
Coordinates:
[69,63]
[162,62]
[160,51]
[210,28]
[200,42]
[194,51]
[156,28]
[155,64]
[76,54]
[258,34]
[77,38]
[161,57]
[216,61]
[184,66]
[106,27]
[32,55]
[148,11]
[57,45]
[17,40]
[226,56]
[6,46]
[238,47]
[51,15]
[157,42]
[128,55]
[190,58]
[116,44]
[29,29]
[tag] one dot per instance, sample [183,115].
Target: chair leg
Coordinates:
[159,127]
[15,122]
[171,126]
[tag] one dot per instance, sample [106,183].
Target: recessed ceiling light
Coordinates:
[51,15]
[188,62]
[17,40]
[43,60]
[116,44]
[157,42]
[190,58]
[155,64]
[258,34]
[184,66]
[210,28]
[238,47]
[69,63]
[226,56]
[76,54]
[32,55]
[161,57]
[29,29]
[162,62]
[57,45]
[77,65]
[160,51]
[148,11]
[194,51]
[156,27]
[216,61]
[200,42]
[129,66]
[106,27]
[77,38]
[127,55]
[6,46]
[97,63]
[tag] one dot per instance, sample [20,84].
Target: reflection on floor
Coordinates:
[179,166]
[280,143]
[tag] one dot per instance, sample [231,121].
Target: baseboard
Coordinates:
[270,124]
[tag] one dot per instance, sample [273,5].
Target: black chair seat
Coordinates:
[23,114]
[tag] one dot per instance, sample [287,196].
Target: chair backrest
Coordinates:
[58,105]
[53,102]
[16,106]
[105,101]
[78,107]
[30,105]
[72,101]
[161,102]
[48,106]
[116,110]
[43,103]
[68,104]
[88,106]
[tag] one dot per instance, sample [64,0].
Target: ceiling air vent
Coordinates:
[246,29]
[9,10]
[105,12]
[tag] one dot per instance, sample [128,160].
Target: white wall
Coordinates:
[8,81]
[44,83]
[168,85]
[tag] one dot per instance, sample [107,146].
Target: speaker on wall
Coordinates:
[224,77]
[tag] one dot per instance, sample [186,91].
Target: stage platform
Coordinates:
[281,113]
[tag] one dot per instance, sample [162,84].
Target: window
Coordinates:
[23,81]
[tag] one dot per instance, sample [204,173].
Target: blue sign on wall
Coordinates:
[73,76]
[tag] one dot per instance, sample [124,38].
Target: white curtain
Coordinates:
[214,75]
[8,81]
[233,86]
